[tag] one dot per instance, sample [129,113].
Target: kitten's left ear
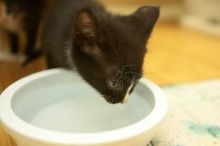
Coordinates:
[148,15]
[85,27]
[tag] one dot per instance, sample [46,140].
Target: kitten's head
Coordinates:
[108,51]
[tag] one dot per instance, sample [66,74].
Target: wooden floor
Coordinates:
[179,55]
[176,55]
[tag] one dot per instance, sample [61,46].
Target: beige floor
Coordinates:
[180,55]
[176,55]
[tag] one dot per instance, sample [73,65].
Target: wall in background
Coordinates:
[170,9]
[202,15]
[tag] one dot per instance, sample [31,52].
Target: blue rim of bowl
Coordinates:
[22,130]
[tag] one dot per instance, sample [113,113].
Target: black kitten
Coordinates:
[107,50]
[21,19]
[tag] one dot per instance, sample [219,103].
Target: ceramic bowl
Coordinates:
[57,108]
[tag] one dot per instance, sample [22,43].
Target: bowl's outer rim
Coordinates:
[17,127]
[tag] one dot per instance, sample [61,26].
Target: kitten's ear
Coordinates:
[85,26]
[148,15]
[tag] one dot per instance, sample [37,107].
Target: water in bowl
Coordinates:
[88,116]
[69,105]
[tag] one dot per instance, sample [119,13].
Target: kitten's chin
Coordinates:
[120,99]
[114,100]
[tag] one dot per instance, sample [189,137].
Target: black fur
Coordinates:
[14,42]
[107,50]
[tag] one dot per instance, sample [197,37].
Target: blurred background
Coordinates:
[184,47]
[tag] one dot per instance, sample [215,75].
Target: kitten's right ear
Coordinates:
[148,15]
[85,26]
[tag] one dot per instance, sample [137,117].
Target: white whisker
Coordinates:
[127,79]
[130,72]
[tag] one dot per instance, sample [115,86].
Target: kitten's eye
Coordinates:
[112,84]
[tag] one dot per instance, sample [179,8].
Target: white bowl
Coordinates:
[57,108]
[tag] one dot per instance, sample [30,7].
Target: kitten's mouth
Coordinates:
[111,100]
[116,100]
[120,99]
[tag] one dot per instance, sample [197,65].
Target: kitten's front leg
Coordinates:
[18,45]
[14,42]
[22,38]
[28,37]
[31,39]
